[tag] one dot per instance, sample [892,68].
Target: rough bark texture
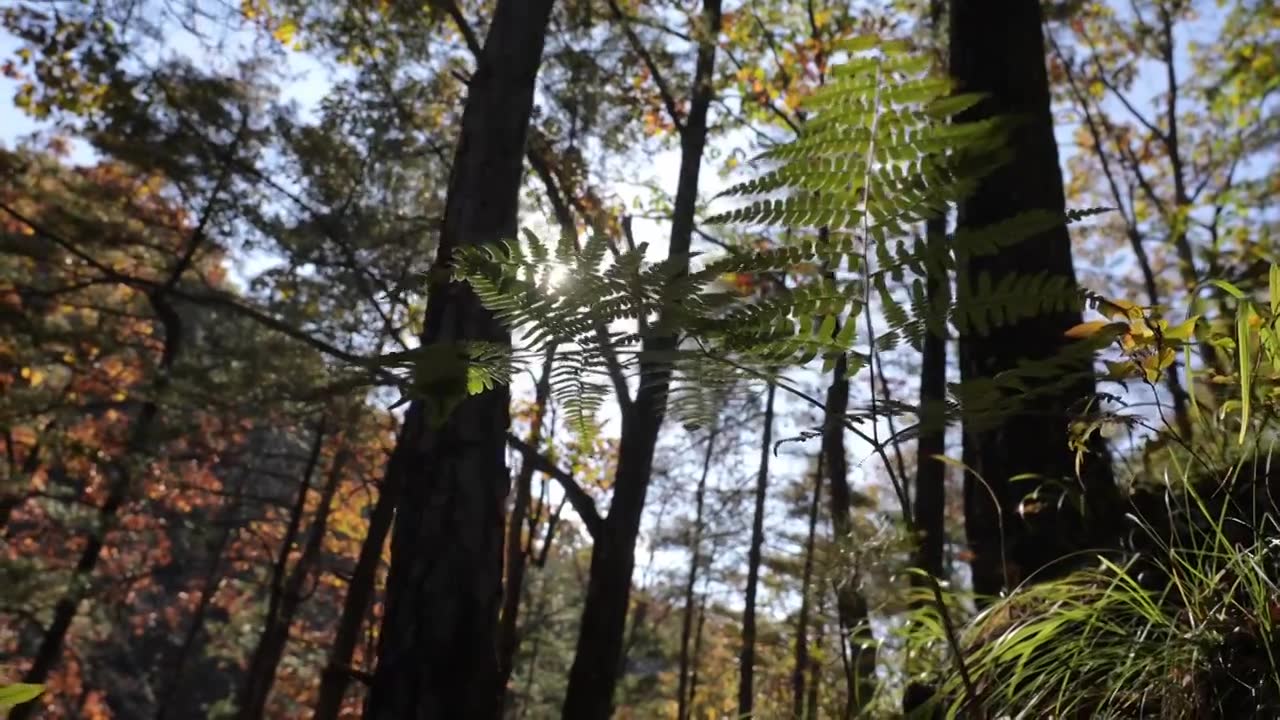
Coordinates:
[997,48]
[437,654]
[337,673]
[266,657]
[747,658]
[851,607]
[604,616]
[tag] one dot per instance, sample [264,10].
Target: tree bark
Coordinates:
[930,502]
[437,653]
[280,569]
[997,48]
[261,675]
[690,596]
[851,607]
[592,678]
[337,672]
[798,674]
[747,658]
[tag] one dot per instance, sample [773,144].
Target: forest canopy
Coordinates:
[607,358]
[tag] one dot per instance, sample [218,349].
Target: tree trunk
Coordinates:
[517,554]
[697,650]
[930,503]
[178,667]
[851,608]
[337,671]
[815,672]
[798,675]
[261,675]
[437,653]
[604,615]
[690,596]
[55,636]
[997,48]
[10,501]
[280,569]
[747,659]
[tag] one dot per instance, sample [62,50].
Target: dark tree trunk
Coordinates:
[280,569]
[997,48]
[799,673]
[851,607]
[747,658]
[437,653]
[604,615]
[337,672]
[690,596]
[517,552]
[252,702]
[930,502]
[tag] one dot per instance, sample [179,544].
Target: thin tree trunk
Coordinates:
[517,554]
[997,48]
[929,506]
[851,609]
[280,569]
[815,672]
[798,674]
[697,651]
[695,560]
[592,678]
[1176,393]
[337,672]
[10,501]
[178,667]
[747,658]
[50,650]
[540,608]
[252,702]
[437,653]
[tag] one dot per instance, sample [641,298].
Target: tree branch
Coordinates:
[664,90]
[573,492]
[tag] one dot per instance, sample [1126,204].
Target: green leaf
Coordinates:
[1183,332]
[1242,349]
[1275,290]
[1234,291]
[14,695]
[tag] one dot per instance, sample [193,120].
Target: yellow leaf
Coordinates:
[1113,309]
[1091,328]
[285,32]
[1119,370]
[1183,332]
